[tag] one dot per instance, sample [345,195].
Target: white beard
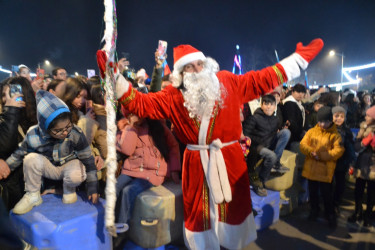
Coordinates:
[202,91]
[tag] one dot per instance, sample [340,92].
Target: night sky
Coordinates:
[68,32]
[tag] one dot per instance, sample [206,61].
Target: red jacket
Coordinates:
[145,160]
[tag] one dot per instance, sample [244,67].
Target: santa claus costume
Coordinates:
[215,184]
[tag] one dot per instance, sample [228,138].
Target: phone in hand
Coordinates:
[162,49]
[39,74]
[15,70]
[15,89]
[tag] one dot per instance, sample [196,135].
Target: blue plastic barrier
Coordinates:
[267,208]
[55,225]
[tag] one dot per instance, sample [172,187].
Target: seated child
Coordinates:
[266,141]
[347,159]
[365,168]
[153,154]
[56,149]
[322,147]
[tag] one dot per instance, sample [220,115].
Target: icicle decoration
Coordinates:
[110,36]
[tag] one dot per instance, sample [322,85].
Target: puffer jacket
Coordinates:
[327,144]
[365,165]
[261,128]
[145,160]
[348,159]
[9,135]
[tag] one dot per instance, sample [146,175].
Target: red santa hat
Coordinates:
[184,54]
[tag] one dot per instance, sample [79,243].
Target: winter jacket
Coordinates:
[100,137]
[58,152]
[279,115]
[349,157]
[145,160]
[327,144]
[156,79]
[365,165]
[293,114]
[9,135]
[261,128]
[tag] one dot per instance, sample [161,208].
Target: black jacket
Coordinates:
[9,137]
[349,156]
[261,128]
[293,114]
[12,188]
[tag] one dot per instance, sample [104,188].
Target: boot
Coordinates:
[357,215]
[314,214]
[332,221]
[28,201]
[69,198]
[70,195]
[366,219]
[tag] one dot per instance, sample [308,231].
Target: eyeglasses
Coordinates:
[59,132]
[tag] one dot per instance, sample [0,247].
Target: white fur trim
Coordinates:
[214,166]
[188,59]
[301,62]
[228,236]
[122,86]
[176,79]
[292,65]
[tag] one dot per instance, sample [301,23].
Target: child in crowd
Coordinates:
[75,97]
[153,153]
[365,168]
[322,147]
[266,141]
[56,149]
[311,115]
[348,158]
[100,137]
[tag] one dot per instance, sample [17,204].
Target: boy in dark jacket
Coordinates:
[266,141]
[348,158]
[56,149]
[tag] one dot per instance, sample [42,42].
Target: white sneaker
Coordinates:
[69,198]
[28,201]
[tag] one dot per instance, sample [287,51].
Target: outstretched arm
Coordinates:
[254,84]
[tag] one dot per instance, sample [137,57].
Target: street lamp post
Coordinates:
[332,53]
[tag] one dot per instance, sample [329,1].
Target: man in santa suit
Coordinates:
[203,104]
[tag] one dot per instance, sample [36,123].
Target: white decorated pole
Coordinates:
[110,36]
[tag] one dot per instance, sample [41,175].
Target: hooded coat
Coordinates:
[58,152]
[327,144]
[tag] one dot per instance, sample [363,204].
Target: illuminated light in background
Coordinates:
[366,66]
[5,71]
[237,66]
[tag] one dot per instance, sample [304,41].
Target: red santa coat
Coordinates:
[234,225]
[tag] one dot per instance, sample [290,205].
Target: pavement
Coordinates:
[294,231]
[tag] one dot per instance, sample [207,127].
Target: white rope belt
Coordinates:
[215,169]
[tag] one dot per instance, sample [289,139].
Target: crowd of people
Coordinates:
[53,140]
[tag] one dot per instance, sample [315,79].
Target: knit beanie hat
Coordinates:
[324,114]
[338,109]
[371,112]
[48,108]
